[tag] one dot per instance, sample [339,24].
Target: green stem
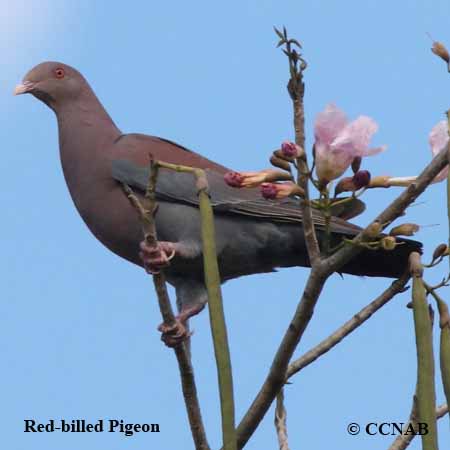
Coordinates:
[215,305]
[444,352]
[445,359]
[426,395]
[327,216]
[217,319]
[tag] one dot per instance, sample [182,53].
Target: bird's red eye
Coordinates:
[59,72]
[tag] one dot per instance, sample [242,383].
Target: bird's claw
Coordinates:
[156,257]
[175,334]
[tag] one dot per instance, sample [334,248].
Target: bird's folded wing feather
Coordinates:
[180,187]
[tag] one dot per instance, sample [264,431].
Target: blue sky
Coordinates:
[79,324]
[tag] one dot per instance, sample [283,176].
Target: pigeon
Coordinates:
[253,235]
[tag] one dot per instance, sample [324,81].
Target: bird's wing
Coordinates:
[138,147]
[180,187]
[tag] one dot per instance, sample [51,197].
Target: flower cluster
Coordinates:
[438,140]
[339,144]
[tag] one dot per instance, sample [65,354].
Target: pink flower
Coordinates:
[338,142]
[438,140]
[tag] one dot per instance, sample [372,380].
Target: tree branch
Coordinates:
[184,364]
[296,89]
[357,320]
[280,422]
[277,373]
[318,275]
[403,440]
[321,269]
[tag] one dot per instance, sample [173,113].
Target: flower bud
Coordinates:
[233,179]
[252,179]
[440,50]
[271,191]
[291,150]
[281,163]
[406,229]
[388,243]
[361,179]
[351,184]
[439,251]
[374,230]
[345,184]
[279,154]
[356,164]
[274,175]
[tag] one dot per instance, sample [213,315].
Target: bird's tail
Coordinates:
[383,263]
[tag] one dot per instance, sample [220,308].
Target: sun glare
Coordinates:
[21,19]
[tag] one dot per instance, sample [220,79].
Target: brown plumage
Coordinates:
[253,235]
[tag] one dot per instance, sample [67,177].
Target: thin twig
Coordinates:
[191,398]
[402,441]
[184,363]
[357,320]
[281,422]
[296,89]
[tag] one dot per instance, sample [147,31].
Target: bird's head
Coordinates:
[53,83]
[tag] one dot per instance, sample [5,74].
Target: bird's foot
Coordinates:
[156,257]
[175,334]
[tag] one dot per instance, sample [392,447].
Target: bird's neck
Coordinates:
[83,124]
[86,134]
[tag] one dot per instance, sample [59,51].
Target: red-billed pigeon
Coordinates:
[253,235]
